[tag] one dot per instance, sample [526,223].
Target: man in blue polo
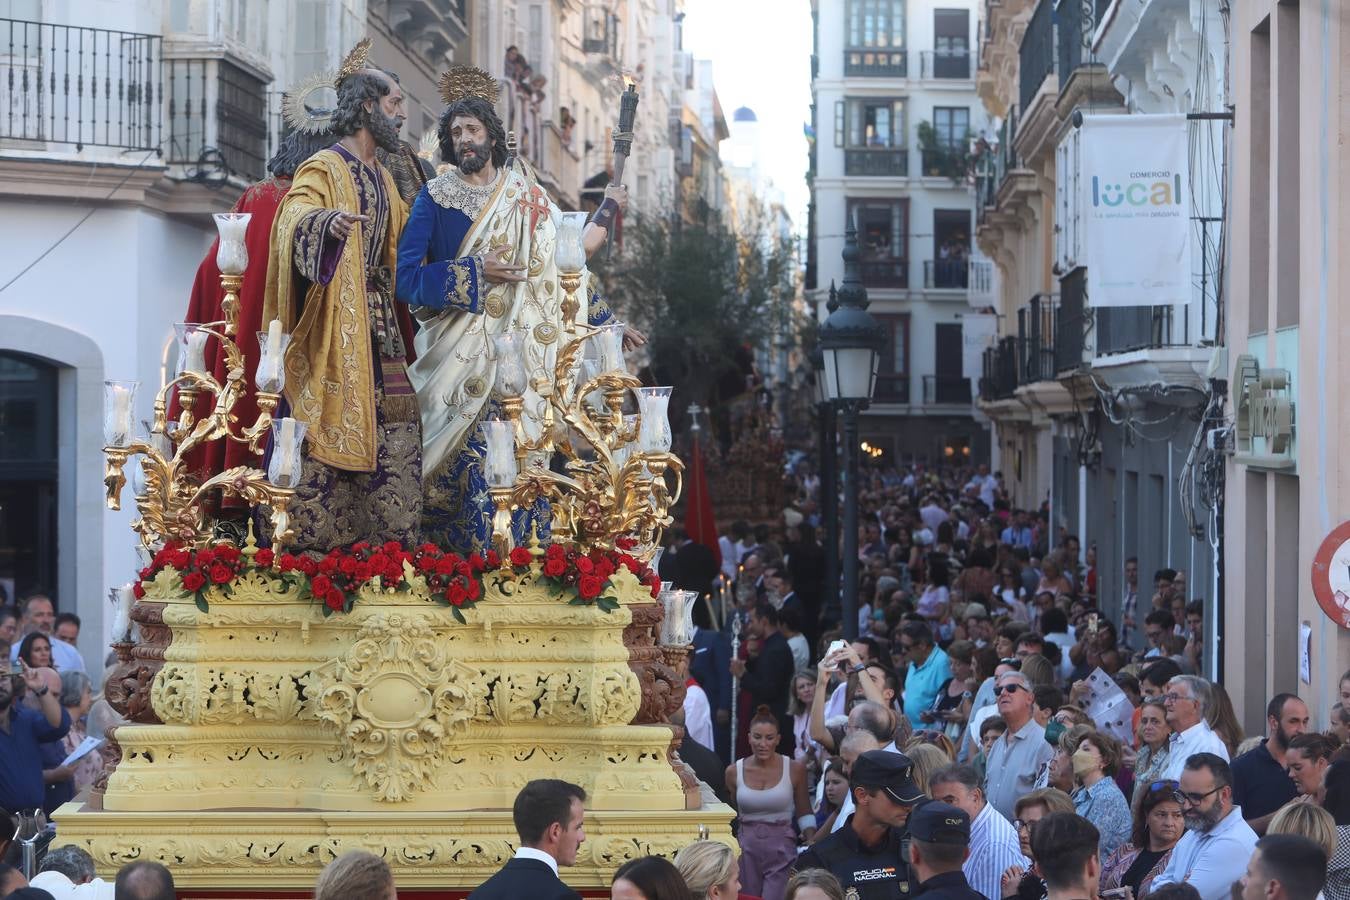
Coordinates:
[928,669]
[21,730]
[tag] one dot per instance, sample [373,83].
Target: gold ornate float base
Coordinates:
[280,850]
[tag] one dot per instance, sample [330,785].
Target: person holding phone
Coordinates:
[22,730]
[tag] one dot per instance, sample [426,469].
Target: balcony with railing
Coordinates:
[876,161]
[891,388]
[1072,321]
[216,119]
[885,273]
[948,389]
[1036,55]
[1036,330]
[873,62]
[980,278]
[947,65]
[946,274]
[998,379]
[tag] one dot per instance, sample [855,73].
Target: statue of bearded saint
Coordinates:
[475,261]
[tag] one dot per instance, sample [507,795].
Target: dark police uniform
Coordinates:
[879,872]
[935,823]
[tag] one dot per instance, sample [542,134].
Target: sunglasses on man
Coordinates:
[1007,689]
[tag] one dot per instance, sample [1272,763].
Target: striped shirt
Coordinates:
[993,848]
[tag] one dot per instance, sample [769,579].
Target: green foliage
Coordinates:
[942,158]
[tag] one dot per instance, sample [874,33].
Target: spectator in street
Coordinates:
[1222,718]
[22,731]
[1098,798]
[866,854]
[145,880]
[36,651]
[1261,784]
[951,704]
[1306,761]
[771,797]
[1153,680]
[813,884]
[1154,742]
[697,713]
[802,697]
[11,880]
[710,666]
[1022,882]
[709,870]
[1187,700]
[767,676]
[1336,800]
[993,841]
[549,817]
[648,878]
[39,615]
[1308,820]
[1017,757]
[1218,841]
[1285,867]
[939,846]
[67,628]
[929,668]
[1156,827]
[67,873]
[1065,847]
[9,629]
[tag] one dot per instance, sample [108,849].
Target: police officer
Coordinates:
[939,842]
[868,853]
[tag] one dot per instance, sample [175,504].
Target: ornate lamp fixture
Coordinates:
[171,506]
[614,482]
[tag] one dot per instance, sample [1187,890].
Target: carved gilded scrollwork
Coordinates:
[396,699]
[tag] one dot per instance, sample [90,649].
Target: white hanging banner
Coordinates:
[1136,202]
[977,330]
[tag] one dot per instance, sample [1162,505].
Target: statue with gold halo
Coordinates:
[330,283]
[476,261]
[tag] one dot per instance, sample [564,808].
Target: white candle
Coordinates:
[286,468]
[122,411]
[194,351]
[274,339]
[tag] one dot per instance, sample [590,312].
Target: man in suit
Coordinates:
[548,816]
[767,676]
[710,666]
[695,565]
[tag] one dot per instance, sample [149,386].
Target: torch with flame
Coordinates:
[623,138]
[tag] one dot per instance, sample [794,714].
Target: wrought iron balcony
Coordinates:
[1072,321]
[946,274]
[1076,26]
[82,87]
[891,388]
[946,389]
[870,62]
[877,161]
[1121,329]
[1036,340]
[946,64]
[999,378]
[217,118]
[885,273]
[1036,56]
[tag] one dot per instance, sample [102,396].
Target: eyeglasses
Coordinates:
[1173,697]
[1184,797]
[1010,661]
[1007,689]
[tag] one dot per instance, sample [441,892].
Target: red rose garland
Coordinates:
[589,574]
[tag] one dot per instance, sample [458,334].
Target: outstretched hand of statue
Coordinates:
[619,194]
[632,338]
[342,223]
[498,270]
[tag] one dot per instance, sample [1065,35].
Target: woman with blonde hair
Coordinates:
[356,875]
[813,884]
[927,759]
[709,869]
[1306,820]
[1038,670]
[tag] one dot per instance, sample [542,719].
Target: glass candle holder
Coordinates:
[609,348]
[119,407]
[232,253]
[509,350]
[500,467]
[685,636]
[569,253]
[272,344]
[654,406]
[192,340]
[284,469]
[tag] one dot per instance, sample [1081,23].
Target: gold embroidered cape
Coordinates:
[329,368]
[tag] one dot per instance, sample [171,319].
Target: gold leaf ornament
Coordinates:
[311,106]
[461,82]
[355,61]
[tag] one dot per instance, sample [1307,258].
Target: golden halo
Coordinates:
[311,105]
[460,82]
[357,60]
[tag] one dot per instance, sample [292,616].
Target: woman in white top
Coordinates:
[770,795]
[800,698]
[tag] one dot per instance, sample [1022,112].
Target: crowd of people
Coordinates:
[989,676]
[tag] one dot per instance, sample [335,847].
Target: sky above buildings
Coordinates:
[761,53]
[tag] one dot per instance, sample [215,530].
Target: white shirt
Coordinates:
[801,650]
[1210,861]
[835,706]
[66,657]
[994,847]
[729,558]
[540,855]
[62,888]
[698,715]
[1199,738]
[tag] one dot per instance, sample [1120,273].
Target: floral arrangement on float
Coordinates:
[337,578]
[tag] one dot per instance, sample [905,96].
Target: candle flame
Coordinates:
[629,84]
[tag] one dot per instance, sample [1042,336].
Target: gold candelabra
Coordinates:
[614,484]
[172,503]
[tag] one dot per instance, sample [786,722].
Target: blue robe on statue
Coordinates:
[441,281]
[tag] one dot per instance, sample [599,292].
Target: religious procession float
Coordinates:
[289,701]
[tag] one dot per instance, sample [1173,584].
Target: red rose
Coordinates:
[426,564]
[364,572]
[630,564]
[193,581]
[445,565]
[604,568]
[475,589]
[334,599]
[138,591]
[328,565]
[226,553]
[476,562]
[625,543]
[320,585]
[493,560]
[457,594]
[463,568]
[521,556]
[554,551]
[146,574]
[347,566]
[430,548]
[204,558]
[588,586]
[360,546]
[180,559]
[584,565]
[221,573]
[263,558]
[392,546]
[308,566]
[554,568]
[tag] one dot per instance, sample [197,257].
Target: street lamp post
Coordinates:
[851,343]
[829,481]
